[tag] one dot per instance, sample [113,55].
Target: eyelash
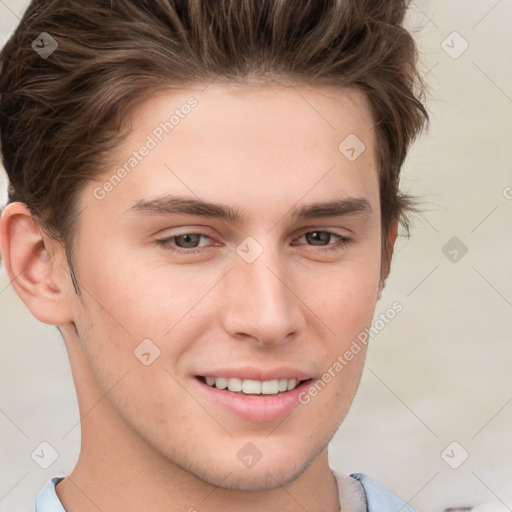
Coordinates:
[342,244]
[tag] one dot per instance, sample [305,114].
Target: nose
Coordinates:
[261,302]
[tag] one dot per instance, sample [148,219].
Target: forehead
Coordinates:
[238,142]
[240,110]
[318,99]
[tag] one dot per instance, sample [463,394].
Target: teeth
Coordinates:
[270,387]
[253,387]
[282,384]
[235,384]
[291,384]
[220,383]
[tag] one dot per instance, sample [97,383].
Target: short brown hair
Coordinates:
[60,116]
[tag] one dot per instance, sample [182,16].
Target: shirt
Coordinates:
[377,497]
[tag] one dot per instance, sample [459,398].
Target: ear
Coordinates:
[35,265]
[391,236]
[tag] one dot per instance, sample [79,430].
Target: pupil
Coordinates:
[191,239]
[318,236]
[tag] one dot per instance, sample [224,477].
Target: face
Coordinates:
[263,288]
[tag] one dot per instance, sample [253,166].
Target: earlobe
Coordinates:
[33,267]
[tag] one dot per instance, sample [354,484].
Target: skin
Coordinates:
[262,150]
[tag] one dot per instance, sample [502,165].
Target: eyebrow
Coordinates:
[172,205]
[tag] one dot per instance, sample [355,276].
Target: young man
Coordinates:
[204,199]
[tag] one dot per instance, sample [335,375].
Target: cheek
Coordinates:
[136,297]
[345,297]
[131,299]
[129,311]
[345,303]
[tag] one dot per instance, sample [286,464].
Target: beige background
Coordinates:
[441,370]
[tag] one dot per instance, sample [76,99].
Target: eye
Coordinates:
[321,238]
[186,243]
[189,243]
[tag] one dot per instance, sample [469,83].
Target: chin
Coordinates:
[276,468]
[254,479]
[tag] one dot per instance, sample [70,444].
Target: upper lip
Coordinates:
[253,373]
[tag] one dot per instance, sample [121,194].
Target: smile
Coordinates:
[251,386]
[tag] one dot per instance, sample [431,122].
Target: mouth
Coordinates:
[256,401]
[252,386]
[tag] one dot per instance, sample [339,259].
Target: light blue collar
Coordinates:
[378,498]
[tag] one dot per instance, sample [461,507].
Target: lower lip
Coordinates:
[256,408]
